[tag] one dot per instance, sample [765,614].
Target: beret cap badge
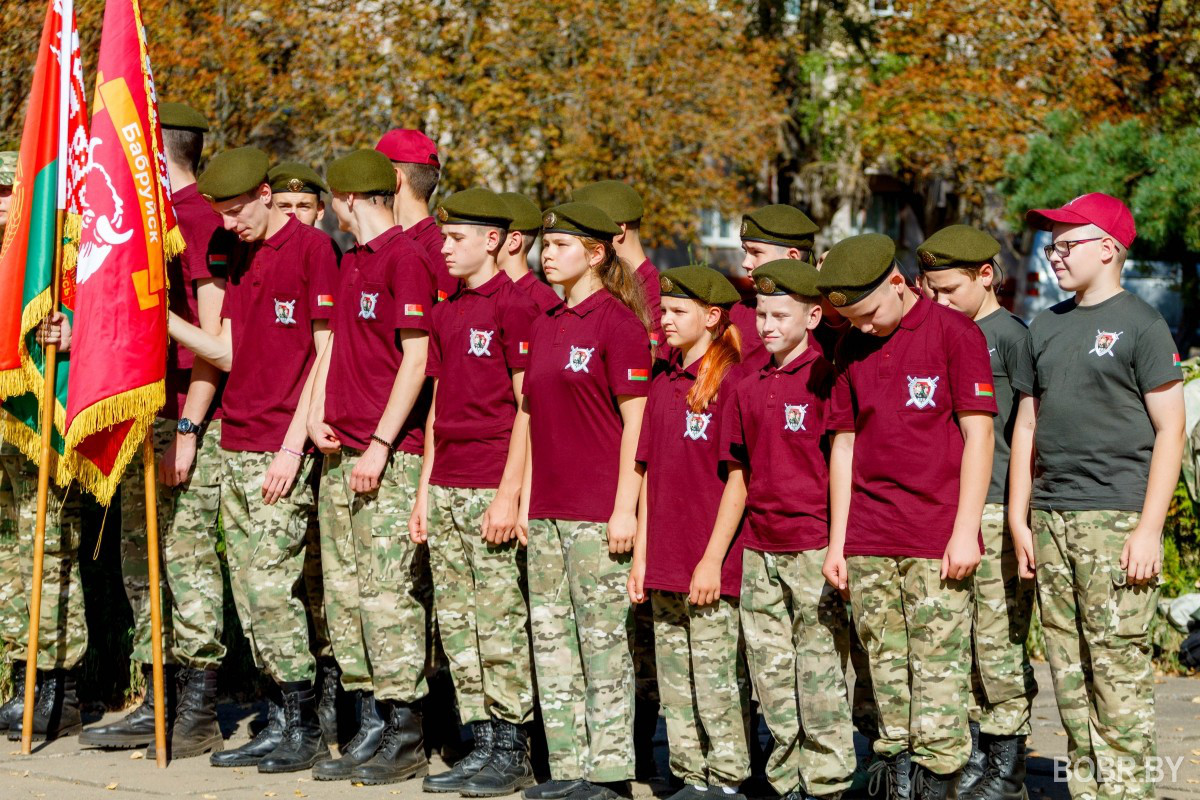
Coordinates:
[442,214]
[837,299]
[743,231]
[766,286]
[295,185]
[928,258]
[665,284]
[550,220]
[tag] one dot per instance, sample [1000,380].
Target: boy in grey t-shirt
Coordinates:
[1106,421]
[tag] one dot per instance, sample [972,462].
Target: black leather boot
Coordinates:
[972,773]
[465,768]
[195,731]
[253,751]
[56,713]
[508,770]
[896,773]
[556,789]
[401,754]
[931,786]
[301,745]
[360,748]
[1004,778]
[329,679]
[135,729]
[14,707]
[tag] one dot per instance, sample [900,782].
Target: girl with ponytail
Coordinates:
[701,679]
[585,389]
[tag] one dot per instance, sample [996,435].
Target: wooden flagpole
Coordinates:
[50,367]
[151,477]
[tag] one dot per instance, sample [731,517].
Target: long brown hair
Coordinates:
[721,355]
[616,276]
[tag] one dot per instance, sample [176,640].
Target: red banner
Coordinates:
[129,232]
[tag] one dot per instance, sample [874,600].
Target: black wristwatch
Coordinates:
[187,426]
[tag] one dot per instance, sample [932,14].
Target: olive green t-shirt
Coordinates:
[1012,373]
[1094,366]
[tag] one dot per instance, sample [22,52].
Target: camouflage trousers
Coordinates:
[482,611]
[797,645]
[862,694]
[192,586]
[265,548]
[703,689]
[377,616]
[916,630]
[580,615]
[1002,679]
[1096,631]
[62,629]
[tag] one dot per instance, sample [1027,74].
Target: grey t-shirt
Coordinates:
[1012,373]
[1094,366]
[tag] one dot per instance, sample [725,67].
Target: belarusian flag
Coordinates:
[53,154]
[129,233]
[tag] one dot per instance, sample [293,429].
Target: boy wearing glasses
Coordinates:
[1096,452]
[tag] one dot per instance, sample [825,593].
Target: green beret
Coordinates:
[854,267]
[526,216]
[294,177]
[786,226]
[475,206]
[580,219]
[233,173]
[617,199]
[698,282]
[957,246]
[786,276]
[362,172]
[184,117]
[8,167]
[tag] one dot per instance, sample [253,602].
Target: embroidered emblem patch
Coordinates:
[480,342]
[920,391]
[793,416]
[695,425]
[366,304]
[579,358]
[1105,341]
[285,312]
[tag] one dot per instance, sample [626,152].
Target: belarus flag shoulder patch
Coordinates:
[325,300]
[522,347]
[639,374]
[414,310]
[1175,360]
[984,390]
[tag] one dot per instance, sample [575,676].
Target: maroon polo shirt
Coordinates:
[289,282]
[207,255]
[900,394]
[428,235]
[743,314]
[384,288]
[685,476]
[581,360]
[542,294]
[777,429]
[478,337]
[647,275]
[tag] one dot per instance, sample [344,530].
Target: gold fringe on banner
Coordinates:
[173,243]
[140,405]
[72,233]
[29,442]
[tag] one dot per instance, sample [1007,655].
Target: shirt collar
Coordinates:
[419,228]
[382,240]
[917,314]
[809,355]
[676,369]
[185,194]
[489,287]
[280,237]
[594,301]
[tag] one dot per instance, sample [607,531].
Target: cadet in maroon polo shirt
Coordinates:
[698,649]
[585,389]
[297,190]
[523,231]
[364,417]
[415,160]
[909,471]
[470,492]
[795,624]
[274,322]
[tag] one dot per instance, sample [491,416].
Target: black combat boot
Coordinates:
[135,729]
[195,731]
[508,770]
[56,713]
[972,773]
[556,789]
[465,768]
[301,745]
[255,750]
[896,774]
[1004,778]
[360,748]
[329,682]
[401,754]
[931,786]
[14,707]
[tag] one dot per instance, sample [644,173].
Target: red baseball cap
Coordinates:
[409,147]
[1102,210]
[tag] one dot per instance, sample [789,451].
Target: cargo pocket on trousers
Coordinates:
[1132,605]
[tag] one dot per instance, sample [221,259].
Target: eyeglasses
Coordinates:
[1064,248]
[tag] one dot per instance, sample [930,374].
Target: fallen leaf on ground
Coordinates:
[136,754]
[111,786]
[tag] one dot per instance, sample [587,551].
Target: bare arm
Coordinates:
[635,586]
[622,526]
[974,474]
[410,378]
[319,431]
[284,467]
[500,519]
[215,349]
[841,476]
[1141,555]
[1020,484]
[705,585]
[418,520]
[526,481]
